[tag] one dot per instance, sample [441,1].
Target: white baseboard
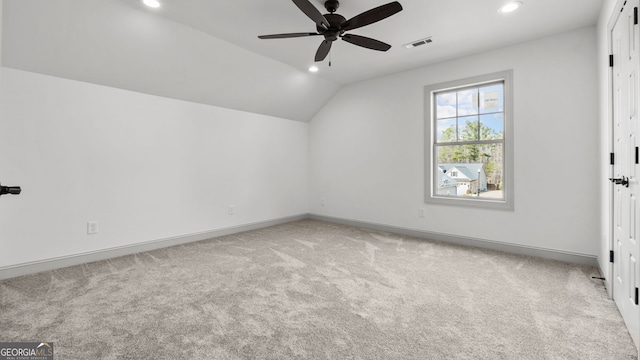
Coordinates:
[77,259]
[565,256]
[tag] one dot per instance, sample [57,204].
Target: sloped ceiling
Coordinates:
[119,44]
[208,51]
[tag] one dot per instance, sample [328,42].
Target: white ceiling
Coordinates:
[207,51]
[458,27]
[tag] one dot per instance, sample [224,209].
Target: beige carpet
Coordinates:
[314,290]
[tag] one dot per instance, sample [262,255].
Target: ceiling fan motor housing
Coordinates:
[335,23]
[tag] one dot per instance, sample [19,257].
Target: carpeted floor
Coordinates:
[315,290]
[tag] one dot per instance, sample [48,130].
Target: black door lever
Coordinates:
[13,190]
[624,181]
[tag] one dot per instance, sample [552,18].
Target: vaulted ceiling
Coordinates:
[208,51]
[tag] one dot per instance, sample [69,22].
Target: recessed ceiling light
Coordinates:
[151,3]
[510,7]
[313,68]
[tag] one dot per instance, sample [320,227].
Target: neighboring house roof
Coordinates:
[469,171]
[445,180]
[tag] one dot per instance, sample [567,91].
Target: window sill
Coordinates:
[471,202]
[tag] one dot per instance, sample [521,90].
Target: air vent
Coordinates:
[420,42]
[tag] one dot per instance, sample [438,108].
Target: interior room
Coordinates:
[169,149]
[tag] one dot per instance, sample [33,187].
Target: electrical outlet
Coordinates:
[92,227]
[232,209]
[322,202]
[421,213]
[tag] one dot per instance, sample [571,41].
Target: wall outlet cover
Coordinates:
[92,227]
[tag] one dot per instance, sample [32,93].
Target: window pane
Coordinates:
[470,133]
[492,99]
[446,130]
[446,105]
[470,171]
[492,126]
[468,128]
[468,102]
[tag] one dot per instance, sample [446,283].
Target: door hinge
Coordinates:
[635,16]
[637,300]
[610,60]
[611,256]
[612,159]
[637,156]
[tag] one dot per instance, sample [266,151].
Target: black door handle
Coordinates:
[624,181]
[13,190]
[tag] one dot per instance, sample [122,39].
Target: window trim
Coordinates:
[429,160]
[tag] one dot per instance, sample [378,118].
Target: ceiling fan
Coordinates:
[333,26]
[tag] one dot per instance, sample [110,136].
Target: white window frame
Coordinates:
[430,149]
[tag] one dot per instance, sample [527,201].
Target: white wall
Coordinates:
[367,148]
[150,168]
[145,167]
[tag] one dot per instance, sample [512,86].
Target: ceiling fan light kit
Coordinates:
[333,26]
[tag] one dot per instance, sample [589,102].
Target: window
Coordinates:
[469,146]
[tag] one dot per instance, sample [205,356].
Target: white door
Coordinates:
[626,68]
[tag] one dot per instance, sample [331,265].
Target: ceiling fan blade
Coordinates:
[323,50]
[366,42]
[284,36]
[371,16]
[312,12]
